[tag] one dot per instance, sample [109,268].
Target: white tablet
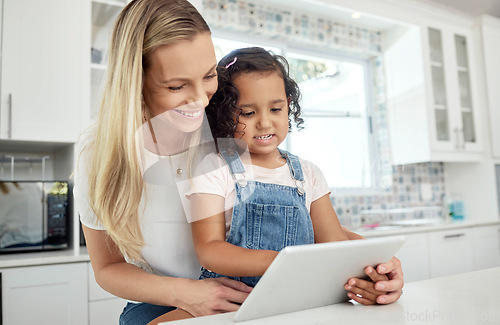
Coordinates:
[310,276]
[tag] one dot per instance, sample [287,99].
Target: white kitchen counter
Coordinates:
[81,255]
[402,230]
[463,299]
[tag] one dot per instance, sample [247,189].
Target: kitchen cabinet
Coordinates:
[487,247]
[414,257]
[104,14]
[431,97]
[490,30]
[451,252]
[49,294]
[104,308]
[42,94]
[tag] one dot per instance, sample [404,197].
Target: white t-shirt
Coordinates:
[169,246]
[214,177]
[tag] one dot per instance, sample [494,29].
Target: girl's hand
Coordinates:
[211,296]
[363,291]
[384,286]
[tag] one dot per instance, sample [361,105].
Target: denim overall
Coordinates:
[266,216]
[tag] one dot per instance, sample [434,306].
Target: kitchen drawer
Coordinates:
[451,252]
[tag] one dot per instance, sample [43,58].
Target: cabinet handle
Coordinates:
[457,138]
[463,138]
[9,127]
[454,236]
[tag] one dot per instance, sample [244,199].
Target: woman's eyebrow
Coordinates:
[212,68]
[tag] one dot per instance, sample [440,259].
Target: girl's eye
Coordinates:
[275,109]
[247,113]
[209,77]
[176,88]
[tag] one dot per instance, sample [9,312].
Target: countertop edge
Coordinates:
[44,258]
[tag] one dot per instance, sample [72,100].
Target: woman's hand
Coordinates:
[384,286]
[211,296]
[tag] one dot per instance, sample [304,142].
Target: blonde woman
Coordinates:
[139,242]
[161,75]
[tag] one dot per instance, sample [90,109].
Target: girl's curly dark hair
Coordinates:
[223,112]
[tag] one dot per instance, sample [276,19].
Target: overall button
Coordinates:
[300,190]
[242,182]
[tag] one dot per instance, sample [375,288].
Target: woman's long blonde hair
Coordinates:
[115,178]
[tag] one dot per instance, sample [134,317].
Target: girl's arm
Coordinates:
[325,222]
[214,253]
[351,235]
[128,281]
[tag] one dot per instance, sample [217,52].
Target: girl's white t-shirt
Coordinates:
[169,246]
[213,176]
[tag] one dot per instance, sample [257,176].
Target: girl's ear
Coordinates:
[289,100]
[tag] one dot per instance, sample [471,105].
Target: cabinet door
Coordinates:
[491,52]
[414,257]
[430,95]
[51,294]
[451,252]
[487,247]
[453,103]
[42,64]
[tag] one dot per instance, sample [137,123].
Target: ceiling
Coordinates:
[471,7]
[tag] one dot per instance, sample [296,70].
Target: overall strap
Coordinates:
[233,161]
[294,165]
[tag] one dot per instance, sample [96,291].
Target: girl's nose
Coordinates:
[264,121]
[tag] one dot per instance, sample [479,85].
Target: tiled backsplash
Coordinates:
[417,185]
[274,22]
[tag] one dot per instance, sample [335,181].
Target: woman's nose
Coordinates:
[201,94]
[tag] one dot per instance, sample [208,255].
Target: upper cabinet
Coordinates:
[104,14]
[490,29]
[431,97]
[42,67]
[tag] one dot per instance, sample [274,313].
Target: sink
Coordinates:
[376,227]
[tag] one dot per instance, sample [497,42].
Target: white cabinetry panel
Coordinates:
[52,294]
[487,247]
[414,257]
[41,64]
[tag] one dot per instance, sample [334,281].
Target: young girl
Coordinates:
[247,206]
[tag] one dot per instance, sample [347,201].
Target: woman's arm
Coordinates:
[214,253]
[325,222]
[128,281]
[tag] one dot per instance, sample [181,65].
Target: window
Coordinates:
[337,133]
